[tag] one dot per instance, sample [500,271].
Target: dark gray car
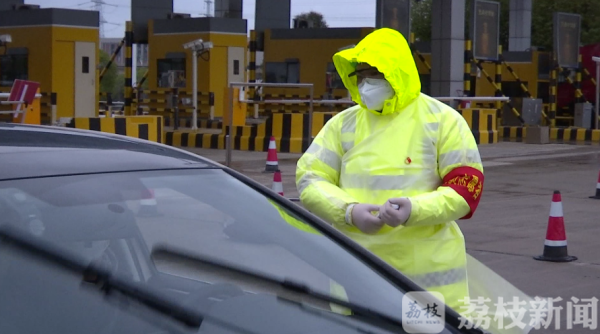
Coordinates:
[194,235]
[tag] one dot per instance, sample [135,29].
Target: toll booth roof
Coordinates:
[49,16]
[317,33]
[200,24]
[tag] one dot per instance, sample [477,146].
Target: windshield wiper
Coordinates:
[285,283]
[98,277]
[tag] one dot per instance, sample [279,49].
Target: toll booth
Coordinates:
[305,55]
[531,67]
[57,48]
[170,64]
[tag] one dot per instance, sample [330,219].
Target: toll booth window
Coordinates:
[13,67]
[282,72]
[236,67]
[171,72]
[85,64]
[332,78]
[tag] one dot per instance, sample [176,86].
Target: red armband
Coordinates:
[468,183]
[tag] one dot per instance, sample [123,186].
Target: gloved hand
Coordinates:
[364,219]
[395,211]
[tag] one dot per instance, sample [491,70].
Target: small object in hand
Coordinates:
[396,206]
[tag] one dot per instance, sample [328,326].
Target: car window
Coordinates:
[116,219]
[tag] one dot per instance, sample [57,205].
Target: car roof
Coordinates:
[36,150]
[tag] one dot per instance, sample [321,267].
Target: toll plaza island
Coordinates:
[254,97]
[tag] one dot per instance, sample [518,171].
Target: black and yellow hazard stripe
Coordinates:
[202,123]
[579,95]
[112,59]
[290,132]
[513,133]
[419,55]
[572,135]
[498,89]
[498,78]
[467,68]
[589,76]
[252,65]
[482,123]
[575,135]
[143,127]
[128,67]
[517,78]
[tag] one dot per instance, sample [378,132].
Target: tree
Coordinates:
[109,80]
[313,18]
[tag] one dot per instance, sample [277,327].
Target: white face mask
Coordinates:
[374,92]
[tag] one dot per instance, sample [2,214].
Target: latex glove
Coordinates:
[364,219]
[395,211]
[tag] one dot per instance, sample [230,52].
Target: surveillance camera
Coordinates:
[198,44]
[596,59]
[5,39]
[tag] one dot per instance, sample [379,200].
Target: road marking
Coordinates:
[545,156]
[495,163]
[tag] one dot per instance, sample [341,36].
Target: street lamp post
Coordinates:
[198,47]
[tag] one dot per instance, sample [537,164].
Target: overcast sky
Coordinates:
[337,13]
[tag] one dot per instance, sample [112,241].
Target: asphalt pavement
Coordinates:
[509,226]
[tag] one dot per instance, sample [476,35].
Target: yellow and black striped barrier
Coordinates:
[483,124]
[290,132]
[202,123]
[572,135]
[128,68]
[143,127]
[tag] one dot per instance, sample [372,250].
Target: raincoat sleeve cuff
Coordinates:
[437,207]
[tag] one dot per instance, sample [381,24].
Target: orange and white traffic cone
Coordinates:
[555,246]
[272,162]
[148,205]
[277,183]
[597,196]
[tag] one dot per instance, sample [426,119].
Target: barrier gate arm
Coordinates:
[112,59]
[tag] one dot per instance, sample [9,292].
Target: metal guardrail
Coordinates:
[472,98]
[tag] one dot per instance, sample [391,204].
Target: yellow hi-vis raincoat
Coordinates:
[416,147]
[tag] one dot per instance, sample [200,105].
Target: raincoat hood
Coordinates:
[387,50]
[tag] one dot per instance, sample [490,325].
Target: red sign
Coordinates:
[23,90]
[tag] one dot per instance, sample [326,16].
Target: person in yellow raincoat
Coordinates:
[397,170]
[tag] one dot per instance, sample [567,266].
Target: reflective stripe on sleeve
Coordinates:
[440,278]
[348,130]
[306,180]
[329,157]
[468,156]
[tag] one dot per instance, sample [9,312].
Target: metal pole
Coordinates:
[228,148]
[310,115]
[195,90]
[597,91]
[175,109]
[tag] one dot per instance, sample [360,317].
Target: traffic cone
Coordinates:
[597,196]
[555,246]
[277,183]
[272,163]
[148,206]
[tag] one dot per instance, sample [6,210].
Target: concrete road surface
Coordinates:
[509,227]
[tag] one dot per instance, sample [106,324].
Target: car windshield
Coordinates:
[116,219]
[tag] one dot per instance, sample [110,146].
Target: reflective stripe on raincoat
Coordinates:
[416,147]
